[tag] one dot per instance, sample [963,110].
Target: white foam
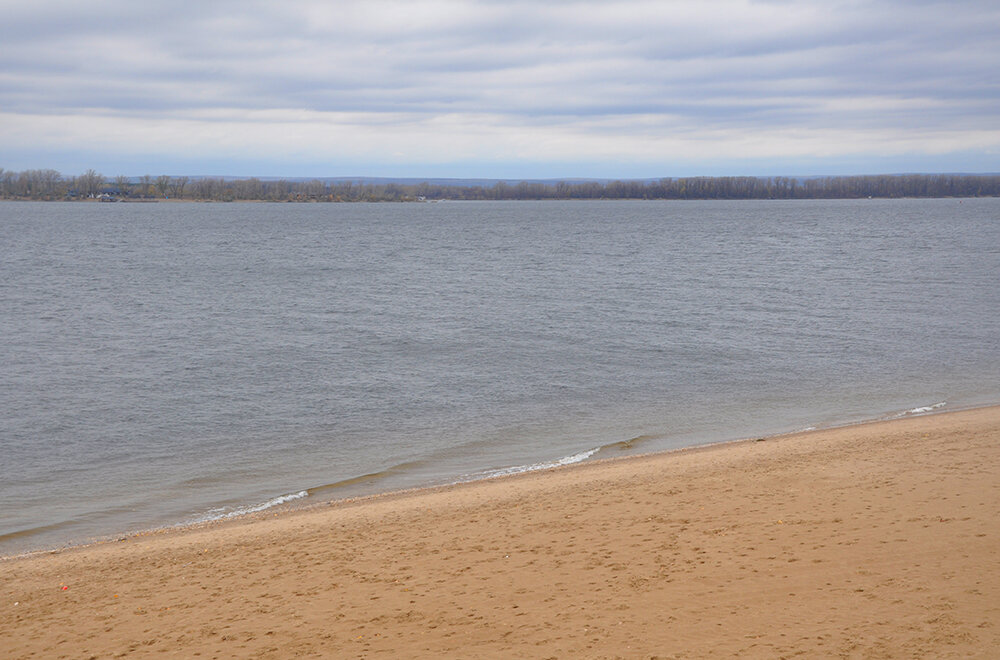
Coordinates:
[225,513]
[919,411]
[924,409]
[518,469]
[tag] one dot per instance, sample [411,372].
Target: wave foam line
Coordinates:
[920,410]
[222,514]
[518,469]
[917,411]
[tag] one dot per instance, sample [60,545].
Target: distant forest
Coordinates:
[51,185]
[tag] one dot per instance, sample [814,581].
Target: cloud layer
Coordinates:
[393,88]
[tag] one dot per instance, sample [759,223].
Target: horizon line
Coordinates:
[485,179]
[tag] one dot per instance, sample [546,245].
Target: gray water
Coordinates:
[164,363]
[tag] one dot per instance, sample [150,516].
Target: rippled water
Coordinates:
[169,362]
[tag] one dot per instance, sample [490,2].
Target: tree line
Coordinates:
[51,185]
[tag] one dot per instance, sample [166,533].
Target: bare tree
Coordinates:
[177,186]
[316,189]
[90,182]
[162,183]
[207,188]
[7,182]
[123,184]
[48,183]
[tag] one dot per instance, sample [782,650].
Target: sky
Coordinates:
[500,89]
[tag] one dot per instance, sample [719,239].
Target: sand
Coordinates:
[876,540]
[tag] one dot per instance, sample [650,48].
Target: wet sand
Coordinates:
[870,541]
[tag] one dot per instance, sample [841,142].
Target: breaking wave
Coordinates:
[919,410]
[532,467]
[226,513]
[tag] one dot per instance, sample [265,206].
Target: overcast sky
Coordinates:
[499,89]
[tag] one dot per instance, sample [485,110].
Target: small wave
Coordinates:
[621,445]
[401,468]
[546,465]
[920,410]
[917,411]
[224,514]
[625,445]
[33,531]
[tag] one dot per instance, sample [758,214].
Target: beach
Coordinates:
[874,540]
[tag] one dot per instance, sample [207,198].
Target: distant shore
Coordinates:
[49,185]
[877,539]
[186,200]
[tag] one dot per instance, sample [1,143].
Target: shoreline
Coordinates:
[306,499]
[869,540]
[295,501]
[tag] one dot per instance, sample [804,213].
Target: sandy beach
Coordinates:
[870,541]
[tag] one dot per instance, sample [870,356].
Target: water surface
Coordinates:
[169,362]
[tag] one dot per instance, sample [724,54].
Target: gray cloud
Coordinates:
[676,69]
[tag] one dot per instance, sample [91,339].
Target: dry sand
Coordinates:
[877,540]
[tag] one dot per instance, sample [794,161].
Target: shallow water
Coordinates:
[171,362]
